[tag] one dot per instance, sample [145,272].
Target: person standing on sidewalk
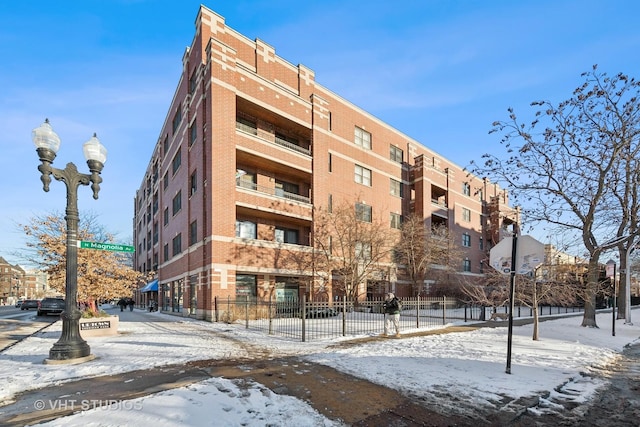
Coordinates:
[391,307]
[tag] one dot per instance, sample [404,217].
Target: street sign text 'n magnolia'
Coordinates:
[114,247]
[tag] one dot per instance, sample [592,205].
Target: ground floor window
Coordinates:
[287,289]
[246,286]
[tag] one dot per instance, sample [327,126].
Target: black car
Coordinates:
[29,303]
[51,306]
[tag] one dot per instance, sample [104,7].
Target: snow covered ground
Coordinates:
[470,365]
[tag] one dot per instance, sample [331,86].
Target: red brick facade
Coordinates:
[250,145]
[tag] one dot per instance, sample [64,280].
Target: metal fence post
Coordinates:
[270,316]
[418,312]
[444,310]
[246,313]
[304,315]
[344,316]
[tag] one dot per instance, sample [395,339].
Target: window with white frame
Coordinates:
[395,187]
[286,235]
[466,240]
[396,154]
[466,265]
[363,251]
[362,138]
[246,229]
[362,175]
[466,215]
[396,220]
[466,189]
[364,212]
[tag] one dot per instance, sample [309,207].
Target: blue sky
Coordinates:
[439,71]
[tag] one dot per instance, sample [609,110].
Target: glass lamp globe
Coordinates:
[44,137]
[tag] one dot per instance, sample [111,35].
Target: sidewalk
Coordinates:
[359,402]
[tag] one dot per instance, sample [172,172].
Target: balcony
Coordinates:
[276,192]
[251,129]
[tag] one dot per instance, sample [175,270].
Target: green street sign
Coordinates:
[114,247]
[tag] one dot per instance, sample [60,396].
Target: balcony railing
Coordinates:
[272,191]
[253,131]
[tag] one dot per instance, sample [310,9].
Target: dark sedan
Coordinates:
[51,306]
[29,304]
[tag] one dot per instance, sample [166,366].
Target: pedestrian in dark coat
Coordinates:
[122,303]
[391,307]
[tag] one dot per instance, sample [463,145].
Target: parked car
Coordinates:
[321,312]
[51,306]
[19,303]
[29,303]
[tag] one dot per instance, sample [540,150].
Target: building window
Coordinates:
[481,243]
[166,252]
[283,187]
[177,244]
[246,286]
[362,138]
[330,204]
[165,216]
[176,162]
[396,154]
[192,81]
[165,181]
[480,195]
[177,119]
[466,189]
[396,188]
[466,265]
[363,212]
[165,145]
[396,220]
[246,229]
[286,235]
[330,163]
[466,240]
[193,183]
[466,214]
[193,134]
[177,203]
[363,175]
[155,233]
[363,251]
[193,233]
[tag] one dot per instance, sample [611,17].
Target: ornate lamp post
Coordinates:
[70,346]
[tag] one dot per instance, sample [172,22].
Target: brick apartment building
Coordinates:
[251,144]
[19,283]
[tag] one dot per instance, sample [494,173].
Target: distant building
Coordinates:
[251,144]
[12,282]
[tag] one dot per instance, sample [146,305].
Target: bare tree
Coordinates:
[425,253]
[101,274]
[351,245]
[563,174]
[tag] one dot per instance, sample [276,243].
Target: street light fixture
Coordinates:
[70,348]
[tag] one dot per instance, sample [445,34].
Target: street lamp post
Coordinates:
[70,347]
[611,273]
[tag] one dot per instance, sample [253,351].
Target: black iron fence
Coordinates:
[312,320]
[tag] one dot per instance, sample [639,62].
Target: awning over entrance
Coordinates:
[150,287]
